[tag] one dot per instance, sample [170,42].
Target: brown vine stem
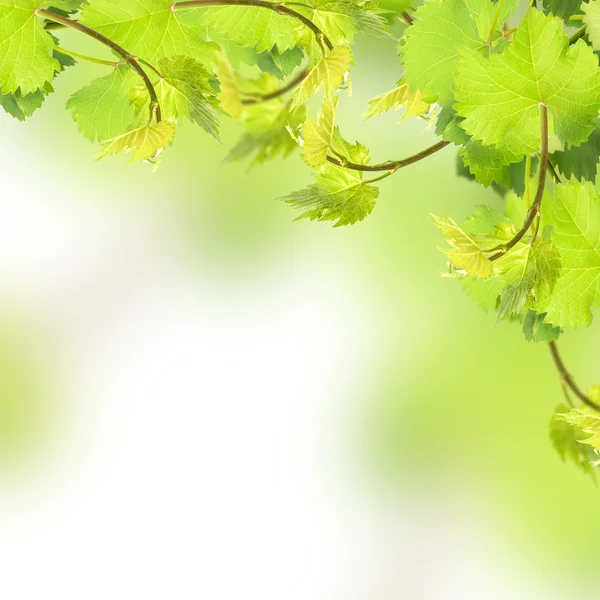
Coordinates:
[390,165]
[130,59]
[409,20]
[280,92]
[534,211]
[568,380]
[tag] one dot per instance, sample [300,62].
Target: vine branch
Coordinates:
[130,59]
[534,210]
[390,165]
[568,380]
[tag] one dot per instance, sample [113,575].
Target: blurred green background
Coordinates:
[446,405]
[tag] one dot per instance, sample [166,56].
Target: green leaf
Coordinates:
[250,26]
[151,29]
[146,142]
[102,109]
[588,423]
[562,8]
[402,96]
[184,92]
[19,106]
[591,19]
[502,109]
[441,32]
[580,162]
[267,135]
[26,49]
[576,234]
[567,440]
[527,270]
[328,72]
[318,134]
[466,253]
[535,329]
[341,20]
[485,292]
[338,195]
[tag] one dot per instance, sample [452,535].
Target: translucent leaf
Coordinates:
[318,134]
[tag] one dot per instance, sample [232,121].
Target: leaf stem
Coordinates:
[278,7]
[534,211]
[130,59]
[500,4]
[577,35]
[407,17]
[96,61]
[390,165]
[568,380]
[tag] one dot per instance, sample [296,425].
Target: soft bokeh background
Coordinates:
[200,398]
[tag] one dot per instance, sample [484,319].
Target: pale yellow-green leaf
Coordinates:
[318,134]
[229,96]
[402,97]
[146,142]
[588,422]
[328,72]
[466,254]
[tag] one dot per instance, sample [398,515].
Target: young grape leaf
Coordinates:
[441,31]
[535,329]
[328,72]
[588,423]
[338,195]
[576,233]
[20,107]
[151,29]
[567,440]
[580,162]
[26,49]
[413,102]
[146,142]
[229,96]
[485,292]
[267,135]
[527,270]
[466,253]
[318,134]
[500,96]
[184,92]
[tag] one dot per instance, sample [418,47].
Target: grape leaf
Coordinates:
[150,29]
[535,329]
[485,292]
[184,92]
[567,438]
[402,96]
[328,72]
[250,26]
[441,31]
[466,253]
[580,162]
[318,134]
[562,8]
[68,6]
[146,142]
[588,423]
[26,49]
[338,194]
[340,20]
[576,234]
[267,135]
[102,109]
[591,19]
[528,270]
[21,107]
[229,96]
[500,97]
